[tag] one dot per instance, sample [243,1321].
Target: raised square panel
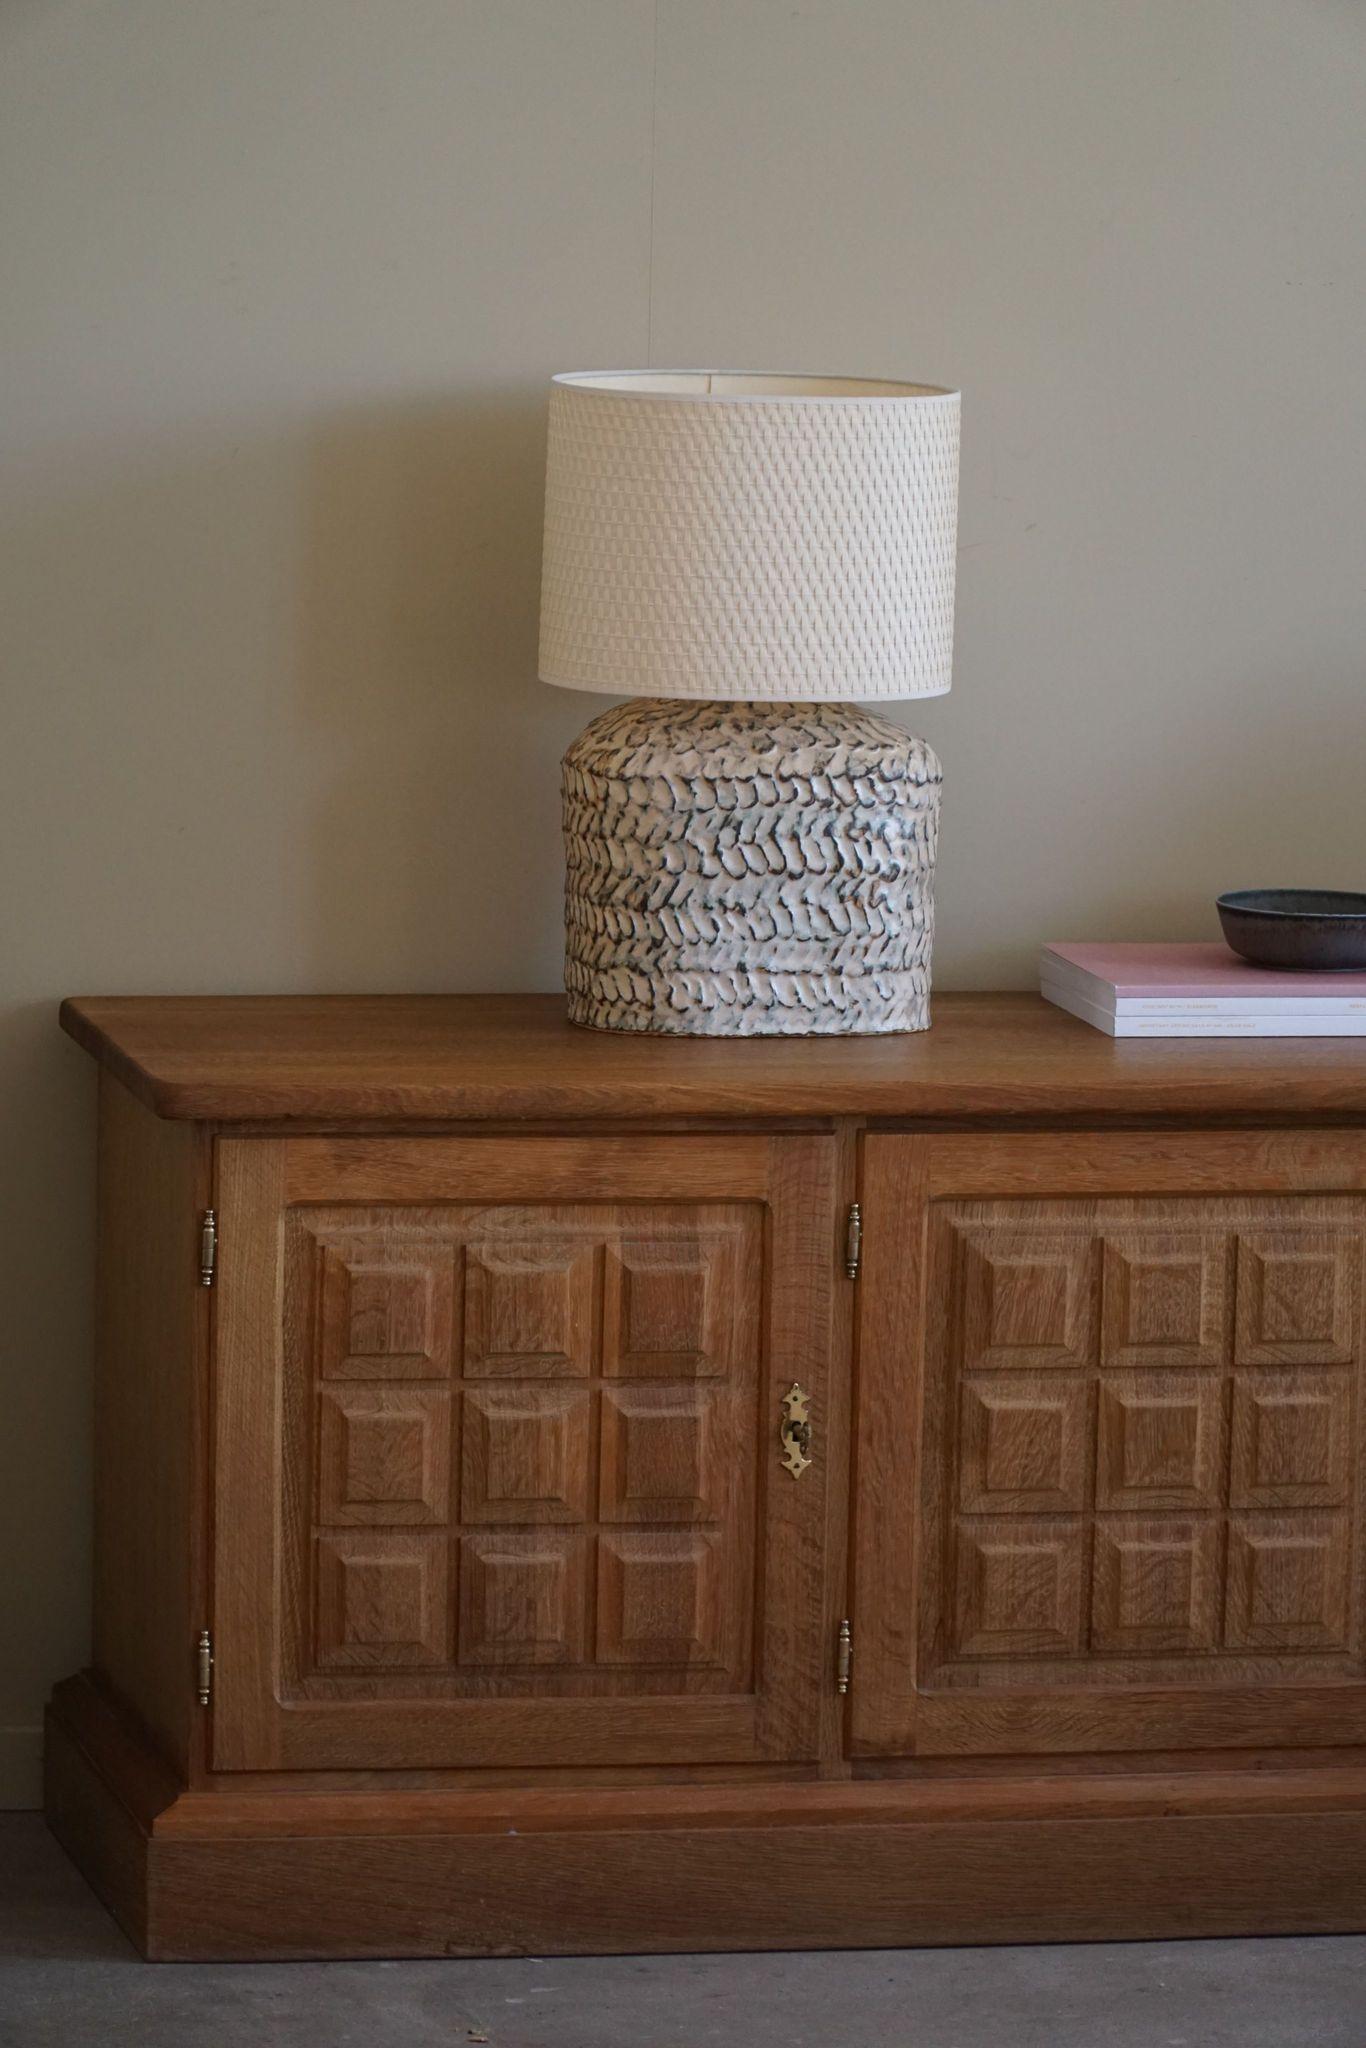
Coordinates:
[1159,1441]
[522,1597]
[1288,1581]
[1027,1300]
[1164,1298]
[1018,1589]
[387,1310]
[524,1457]
[1292,1439]
[1297,1298]
[1022,1445]
[529,1309]
[1155,1586]
[662,1460]
[659,1597]
[669,1306]
[381,1600]
[384,1454]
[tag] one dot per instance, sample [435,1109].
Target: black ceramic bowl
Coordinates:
[1296,928]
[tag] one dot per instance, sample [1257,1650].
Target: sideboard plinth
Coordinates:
[871,1864]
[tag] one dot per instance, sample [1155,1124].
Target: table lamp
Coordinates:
[751,559]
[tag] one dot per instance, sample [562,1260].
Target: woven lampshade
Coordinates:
[719,535]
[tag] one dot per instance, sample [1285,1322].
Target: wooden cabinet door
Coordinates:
[497,1464]
[1110,1444]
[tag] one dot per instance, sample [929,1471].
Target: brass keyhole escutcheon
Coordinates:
[794,1431]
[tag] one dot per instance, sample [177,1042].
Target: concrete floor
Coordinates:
[68,1978]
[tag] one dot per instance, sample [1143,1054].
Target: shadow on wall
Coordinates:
[47,1205]
[436,853]
[274,725]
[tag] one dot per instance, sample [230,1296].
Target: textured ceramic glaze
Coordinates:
[749,869]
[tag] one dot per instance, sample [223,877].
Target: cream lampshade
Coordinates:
[759,859]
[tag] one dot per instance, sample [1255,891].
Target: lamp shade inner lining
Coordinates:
[742,384]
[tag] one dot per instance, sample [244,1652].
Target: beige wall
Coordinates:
[281,284]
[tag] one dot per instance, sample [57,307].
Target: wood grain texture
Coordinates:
[1127,1483]
[403,1058]
[150,1353]
[381,1600]
[869,1886]
[857,1866]
[249,1436]
[1062,1794]
[509,1170]
[1130,1165]
[546,1529]
[982,1789]
[1083,1512]
[524,1639]
[893,1311]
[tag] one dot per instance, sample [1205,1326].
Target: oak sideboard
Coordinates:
[573,1492]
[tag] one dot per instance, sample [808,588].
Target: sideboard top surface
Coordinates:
[386,1059]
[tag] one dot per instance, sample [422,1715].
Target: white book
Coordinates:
[1286,1024]
[1197,981]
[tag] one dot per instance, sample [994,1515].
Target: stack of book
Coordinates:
[1198,991]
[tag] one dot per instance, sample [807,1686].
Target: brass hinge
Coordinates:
[203,1658]
[208,1248]
[853,1241]
[844,1656]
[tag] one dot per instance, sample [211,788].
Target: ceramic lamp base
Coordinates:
[749,869]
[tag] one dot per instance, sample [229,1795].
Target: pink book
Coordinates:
[1150,978]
